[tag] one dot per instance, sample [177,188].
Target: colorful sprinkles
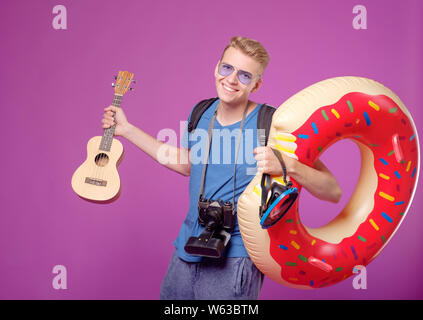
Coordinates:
[361,238]
[386,196]
[303,136]
[350,106]
[384,176]
[374,105]
[336,114]
[387,218]
[325,115]
[374,225]
[384,161]
[367,118]
[295,245]
[370,236]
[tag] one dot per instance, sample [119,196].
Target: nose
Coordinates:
[233,78]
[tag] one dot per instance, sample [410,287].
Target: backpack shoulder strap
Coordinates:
[198,111]
[264,121]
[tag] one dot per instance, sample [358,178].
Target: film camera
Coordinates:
[218,219]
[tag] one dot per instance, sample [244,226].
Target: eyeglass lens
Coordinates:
[243,76]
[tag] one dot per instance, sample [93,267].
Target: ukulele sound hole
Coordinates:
[101,159]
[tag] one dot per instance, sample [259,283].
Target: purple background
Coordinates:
[55,84]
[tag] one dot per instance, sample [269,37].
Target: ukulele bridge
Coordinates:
[96,182]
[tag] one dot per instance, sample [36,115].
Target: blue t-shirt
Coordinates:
[219,174]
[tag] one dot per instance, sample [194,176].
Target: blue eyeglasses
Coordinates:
[226,69]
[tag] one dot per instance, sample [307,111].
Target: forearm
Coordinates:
[169,156]
[320,183]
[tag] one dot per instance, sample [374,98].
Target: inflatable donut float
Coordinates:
[374,118]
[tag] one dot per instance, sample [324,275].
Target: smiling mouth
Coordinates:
[228,89]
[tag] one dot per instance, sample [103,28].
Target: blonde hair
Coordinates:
[251,48]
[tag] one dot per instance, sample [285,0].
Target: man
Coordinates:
[238,74]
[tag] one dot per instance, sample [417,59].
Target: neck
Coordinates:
[231,113]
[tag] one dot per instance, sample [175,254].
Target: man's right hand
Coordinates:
[122,124]
[179,158]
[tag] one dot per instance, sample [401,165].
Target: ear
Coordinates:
[257,85]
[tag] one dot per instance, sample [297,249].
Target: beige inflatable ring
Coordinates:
[304,126]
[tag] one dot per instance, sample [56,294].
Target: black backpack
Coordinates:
[264,119]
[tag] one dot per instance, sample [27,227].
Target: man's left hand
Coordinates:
[267,162]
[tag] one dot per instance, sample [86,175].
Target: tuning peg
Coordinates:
[130,89]
[113,84]
[134,81]
[115,77]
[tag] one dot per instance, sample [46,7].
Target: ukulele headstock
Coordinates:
[123,80]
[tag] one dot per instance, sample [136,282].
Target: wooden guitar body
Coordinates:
[97,179]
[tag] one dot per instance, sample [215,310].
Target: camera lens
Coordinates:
[211,225]
[214,217]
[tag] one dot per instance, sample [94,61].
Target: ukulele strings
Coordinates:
[103,157]
[98,160]
[96,164]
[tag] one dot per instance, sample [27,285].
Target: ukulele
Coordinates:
[97,179]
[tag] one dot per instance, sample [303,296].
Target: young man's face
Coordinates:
[229,88]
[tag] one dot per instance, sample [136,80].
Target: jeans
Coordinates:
[211,279]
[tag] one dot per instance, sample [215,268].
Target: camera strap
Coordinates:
[278,155]
[209,140]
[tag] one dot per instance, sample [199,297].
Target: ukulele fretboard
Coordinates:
[106,140]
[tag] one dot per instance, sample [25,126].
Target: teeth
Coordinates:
[229,89]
